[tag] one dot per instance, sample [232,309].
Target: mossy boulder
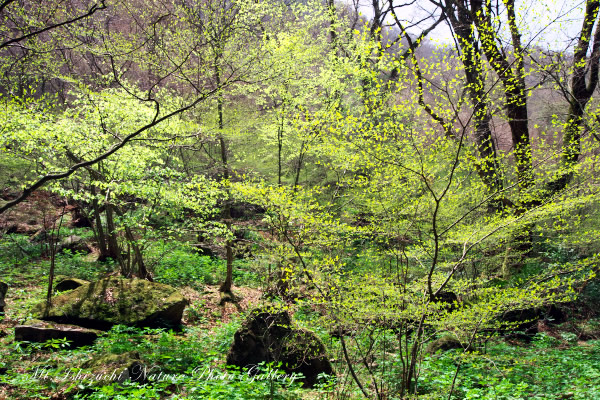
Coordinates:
[64,283]
[108,368]
[116,301]
[269,336]
[443,343]
[74,244]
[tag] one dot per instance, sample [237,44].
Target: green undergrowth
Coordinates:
[183,365]
[23,261]
[190,365]
[179,265]
[17,251]
[182,267]
[546,369]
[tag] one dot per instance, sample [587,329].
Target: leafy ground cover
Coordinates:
[547,368]
[191,364]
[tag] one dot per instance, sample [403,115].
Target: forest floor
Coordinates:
[558,362]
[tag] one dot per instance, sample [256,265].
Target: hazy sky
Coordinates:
[552,23]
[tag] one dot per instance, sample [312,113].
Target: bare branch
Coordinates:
[91,11]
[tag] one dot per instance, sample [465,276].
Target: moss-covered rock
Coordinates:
[107,368]
[64,283]
[116,301]
[269,336]
[443,343]
[74,244]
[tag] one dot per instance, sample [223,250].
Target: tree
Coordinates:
[478,32]
[406,250]
[116,57]
[20,26]
[584,79]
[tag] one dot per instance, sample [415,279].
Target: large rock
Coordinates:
[64,283]
[112,301]
[41,331]
[3,290]
[270,337]
[22,228]
[526,320]
[243,210]
[75,244]
[443,344]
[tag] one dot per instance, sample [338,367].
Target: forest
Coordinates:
[299,199]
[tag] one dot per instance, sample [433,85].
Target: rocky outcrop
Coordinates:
[78,217]
[40,331]
[115,300]
[526,320]
[269,336]
[244,210]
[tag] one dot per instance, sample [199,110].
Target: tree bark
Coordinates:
[581,91]
[488,168]
[228,282]
[513,81]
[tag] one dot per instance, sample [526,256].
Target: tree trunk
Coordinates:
[581,91]
[114,251]
[138,259]
[228,282]
[513,81]
[488,168]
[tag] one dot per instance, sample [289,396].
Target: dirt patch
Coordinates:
[38,212]
[206,310]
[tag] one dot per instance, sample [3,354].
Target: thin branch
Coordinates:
[5,3]
[90,12]
[61,175]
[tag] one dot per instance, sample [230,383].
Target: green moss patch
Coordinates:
[114,300]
